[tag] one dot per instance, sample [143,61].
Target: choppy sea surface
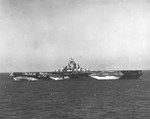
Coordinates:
[111,99]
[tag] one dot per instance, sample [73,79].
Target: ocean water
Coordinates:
[116,99]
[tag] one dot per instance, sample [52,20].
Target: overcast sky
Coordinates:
[42,35]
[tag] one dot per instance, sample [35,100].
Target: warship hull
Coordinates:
[29,76]
[69,75]
[73,71]
[24,78]
[131,74]
[105,77]
[100,75]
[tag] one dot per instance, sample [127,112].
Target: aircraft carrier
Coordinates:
[73,71]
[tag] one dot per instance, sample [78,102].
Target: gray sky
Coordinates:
[42,35]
